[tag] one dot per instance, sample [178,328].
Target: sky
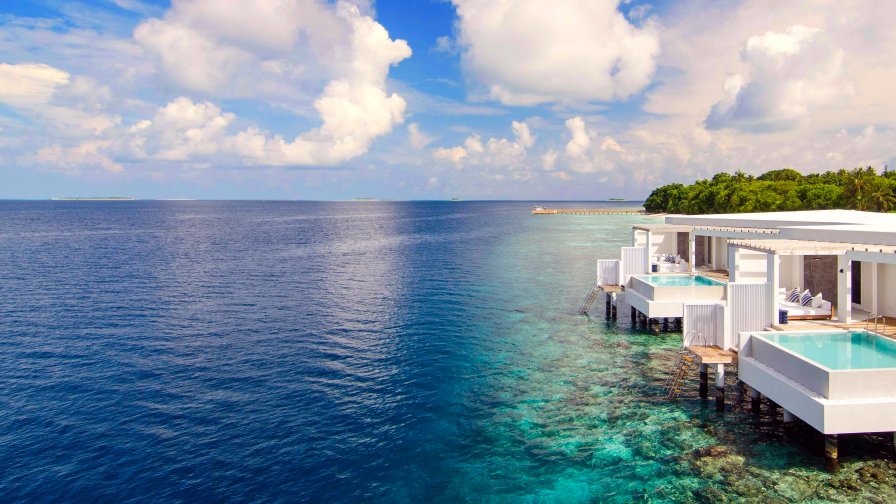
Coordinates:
[435,99]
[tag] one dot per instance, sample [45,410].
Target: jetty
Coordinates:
[588,211]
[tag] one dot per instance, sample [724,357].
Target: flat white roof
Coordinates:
[787,219]
[809,247]
[660,228]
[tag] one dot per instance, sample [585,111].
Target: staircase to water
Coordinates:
[589,300]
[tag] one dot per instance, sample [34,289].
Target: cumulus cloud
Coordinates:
[417,138]
[586,152]
[532,51]
[789,74]
[226,47]
[494,152]
[29,84]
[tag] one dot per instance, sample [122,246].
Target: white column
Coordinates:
[732,263]
[648,255]
[692,250]
[874,307]
[773,273]
[844,289]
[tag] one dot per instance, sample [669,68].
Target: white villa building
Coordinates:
[801,300]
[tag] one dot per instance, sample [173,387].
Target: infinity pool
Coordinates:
[840,350]
[678,280]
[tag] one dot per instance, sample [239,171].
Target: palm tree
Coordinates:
[880,197]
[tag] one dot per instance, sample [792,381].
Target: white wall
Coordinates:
[663,243]
[792,272]
[886,288]
[751,266]
[639,238]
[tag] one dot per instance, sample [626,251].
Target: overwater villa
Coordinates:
[804,302]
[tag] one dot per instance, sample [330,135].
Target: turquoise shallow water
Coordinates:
[360,352]
[843,350]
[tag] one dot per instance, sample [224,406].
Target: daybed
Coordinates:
[668,264]
[796,310]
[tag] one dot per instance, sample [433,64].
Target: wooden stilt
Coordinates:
[755,396]
[704,381]
[720,387]
[831,455]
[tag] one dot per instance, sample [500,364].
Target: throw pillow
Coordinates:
[806,298]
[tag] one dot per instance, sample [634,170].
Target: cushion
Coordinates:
[806,298]
[794,295]
[816,301]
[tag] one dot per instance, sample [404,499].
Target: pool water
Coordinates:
[678,280]
[840,350]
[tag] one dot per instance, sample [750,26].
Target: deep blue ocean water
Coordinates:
[364,351]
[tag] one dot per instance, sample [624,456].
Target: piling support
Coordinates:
[754,400]
[788,416]
[634,316]
[704,381]
[609,306]
[720,387]
[831,455]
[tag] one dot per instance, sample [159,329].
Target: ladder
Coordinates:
[672,388]
[589,300]
[877,319]
[686,359]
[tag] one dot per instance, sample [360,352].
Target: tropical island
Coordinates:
[779,190]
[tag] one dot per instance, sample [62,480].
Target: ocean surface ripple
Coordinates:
[344,352]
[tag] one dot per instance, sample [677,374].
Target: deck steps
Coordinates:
[589,300]
[672,387]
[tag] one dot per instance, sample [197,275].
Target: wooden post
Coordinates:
[704,381]
[754,400]
[609,306]
[720,387]
[831,455]
[634,316]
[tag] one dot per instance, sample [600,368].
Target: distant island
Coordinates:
[97,198]
[779,190]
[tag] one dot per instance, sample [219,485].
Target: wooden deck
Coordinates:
[713,355]
[610,289]
[587,211]
[888,329]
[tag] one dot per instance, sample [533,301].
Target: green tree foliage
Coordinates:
[779,190]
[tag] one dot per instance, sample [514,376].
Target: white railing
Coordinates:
[633,262]
[747,310]
[608,272]
[706,319]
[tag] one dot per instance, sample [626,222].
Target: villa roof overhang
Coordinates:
[733,229]
[663,228]
[808,247]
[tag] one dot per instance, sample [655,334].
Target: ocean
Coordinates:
[204,351]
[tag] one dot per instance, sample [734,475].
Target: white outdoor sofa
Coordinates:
[796,311]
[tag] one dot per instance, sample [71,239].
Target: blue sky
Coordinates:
[478,99]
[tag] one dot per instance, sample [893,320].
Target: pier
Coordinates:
[588,211]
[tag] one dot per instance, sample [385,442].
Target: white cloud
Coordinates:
[29,84]
[235,47]
[496,152]
[790,74]
[74,159]
[533,51]
[417,138]
[232,48]
[454,154]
